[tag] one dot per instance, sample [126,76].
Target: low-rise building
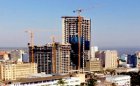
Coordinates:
[120,70]
[10,71]
[4,55]
[119,80]
[49,80]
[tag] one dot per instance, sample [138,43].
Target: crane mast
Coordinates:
[54,55]
[32,44]
[79,36]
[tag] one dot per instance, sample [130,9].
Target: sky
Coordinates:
[115,23]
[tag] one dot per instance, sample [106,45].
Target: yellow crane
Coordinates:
[79,35]
[53,55]
[31,44]
[78,11]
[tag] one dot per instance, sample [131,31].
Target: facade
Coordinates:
[25,57]
[119,80]
[109,58]
[70,25]
[43,58]
[4,55]
[93,65]
[52,58]
[123,57]
[50,81]
[68,82]
[93,51]
[63,59]
[122,70]
[9,71]
[104,83]
[100,56]
[138,59]
[17,55]
[132,60]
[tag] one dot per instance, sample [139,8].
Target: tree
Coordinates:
[91,82]
[61,82]
[113,72]
[113,84]
[82,84]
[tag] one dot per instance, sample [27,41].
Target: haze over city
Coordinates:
[69,43]
[114,23]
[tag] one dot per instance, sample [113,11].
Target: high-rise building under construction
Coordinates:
[51,58]
[70,34]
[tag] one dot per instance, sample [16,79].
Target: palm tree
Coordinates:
[61,82]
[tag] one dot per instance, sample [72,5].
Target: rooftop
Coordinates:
[38,79]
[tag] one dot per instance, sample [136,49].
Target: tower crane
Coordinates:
[31,43]
[54,55]
[78,11]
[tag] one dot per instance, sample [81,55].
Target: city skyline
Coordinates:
[114,23]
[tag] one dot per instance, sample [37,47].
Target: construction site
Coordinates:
[51,58]
[60,60]
[77,31]
[71,54]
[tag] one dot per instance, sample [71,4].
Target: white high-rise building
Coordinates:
[93,51]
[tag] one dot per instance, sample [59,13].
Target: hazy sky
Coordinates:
[115,23]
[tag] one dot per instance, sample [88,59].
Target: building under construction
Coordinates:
[51,58]
[77,32]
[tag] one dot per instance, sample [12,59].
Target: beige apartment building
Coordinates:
[93,65]
[111,57]
[10,71]
[63,61]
